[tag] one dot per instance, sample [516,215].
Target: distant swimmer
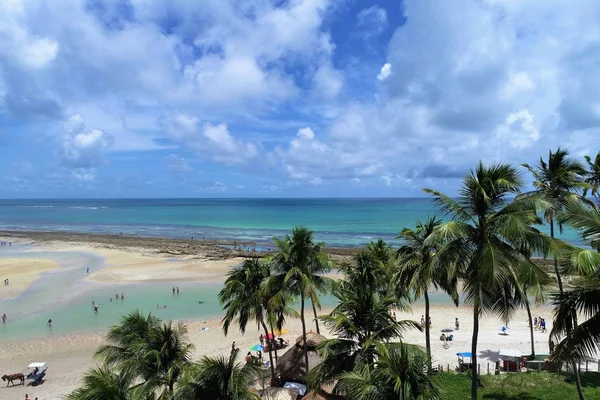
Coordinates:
[93,304]
[200,302]
[3,318]
[117,296]
[173,289]
[50,323]
[96,308]
[111,299]
[122,296]
[88,270]
[177,289]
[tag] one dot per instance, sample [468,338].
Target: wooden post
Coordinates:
[478,369]
[488,366]
[447,367]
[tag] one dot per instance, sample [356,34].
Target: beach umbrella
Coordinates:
[281,332]
[256,347]
[447,330]
[270,336]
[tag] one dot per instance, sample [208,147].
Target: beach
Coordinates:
[69,353]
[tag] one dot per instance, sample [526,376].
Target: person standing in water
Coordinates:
[3,318]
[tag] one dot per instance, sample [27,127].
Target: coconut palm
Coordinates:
[478,241]
[418,270]
[297,265]
[400,373]
[583,294]
[147,351]
[381,251]
[593,175]
[162,358]
[533,281]
[218,378]
[360,321]
[245,298]
[556,181]
[102,383]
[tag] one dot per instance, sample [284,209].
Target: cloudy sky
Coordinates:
[277,98]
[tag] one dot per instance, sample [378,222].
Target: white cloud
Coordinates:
[208,140]
[372,20]
[177,164]
[81,148]
[518,130]
[385,72]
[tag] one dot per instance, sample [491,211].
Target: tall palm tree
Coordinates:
[418,270]
[245,298]
[478,241]
[218,378]
[593,175]
[401,373]
[360,321]
[296,266]
[556,181]
[102,383]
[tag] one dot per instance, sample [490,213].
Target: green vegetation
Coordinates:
[521,386]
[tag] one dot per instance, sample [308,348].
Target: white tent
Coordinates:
[37,365]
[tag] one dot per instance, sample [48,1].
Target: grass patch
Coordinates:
[519,386]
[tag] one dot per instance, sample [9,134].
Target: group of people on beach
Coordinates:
[6,282]
[3,243]
[539,324]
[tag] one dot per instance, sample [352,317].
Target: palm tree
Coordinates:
[101,383]
[245,297]
[401,373]
[533,281]
[297,264]
[148,352]
[380,251]
[593,175]
[419,270]
[583,295]
[360,321]
[556,181]
[218,378]
[478,241]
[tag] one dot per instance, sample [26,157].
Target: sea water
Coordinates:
[65,296]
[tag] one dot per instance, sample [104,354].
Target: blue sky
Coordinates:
[275,98]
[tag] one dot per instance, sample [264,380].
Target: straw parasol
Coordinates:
[291,365]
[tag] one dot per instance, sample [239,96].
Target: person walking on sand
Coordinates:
[422,321]
[456,323]
[261,338]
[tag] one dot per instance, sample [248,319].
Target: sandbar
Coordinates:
[21,273]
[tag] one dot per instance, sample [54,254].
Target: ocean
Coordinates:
[337,222]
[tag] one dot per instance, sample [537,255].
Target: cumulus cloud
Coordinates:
[385,72]
[208,140]
[81,148]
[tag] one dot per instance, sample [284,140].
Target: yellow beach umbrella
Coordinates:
[281,332]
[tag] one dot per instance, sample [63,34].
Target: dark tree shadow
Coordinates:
[492,355]
[504,396]
[588,379]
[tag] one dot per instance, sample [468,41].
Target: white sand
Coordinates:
[21,273]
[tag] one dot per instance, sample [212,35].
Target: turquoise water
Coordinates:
[341,222]
[65,295]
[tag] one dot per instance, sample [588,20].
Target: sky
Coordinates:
[288,98]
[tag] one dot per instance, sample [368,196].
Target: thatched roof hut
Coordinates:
[291,365]
[321,396]
[277,393]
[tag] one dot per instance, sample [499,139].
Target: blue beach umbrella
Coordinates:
[256,347]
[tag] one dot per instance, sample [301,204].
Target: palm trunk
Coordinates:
[427,333]
[303,330]
[530,326]
[316,316]
[558,278]
[474,377]
[561,291]
[273,333]
[270,354]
